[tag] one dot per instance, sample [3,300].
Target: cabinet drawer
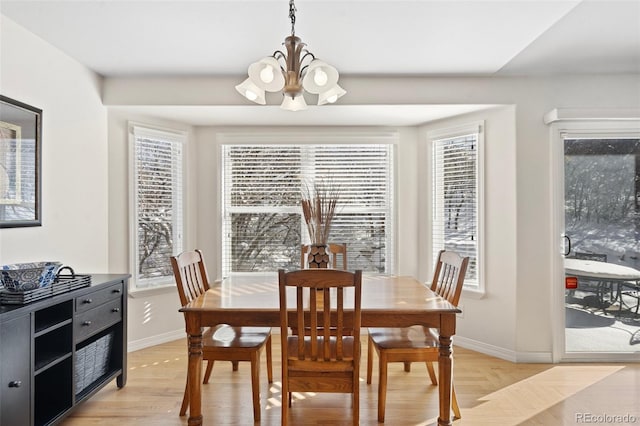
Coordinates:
[91,300]
[94,320]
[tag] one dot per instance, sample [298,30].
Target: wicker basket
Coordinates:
[92,361]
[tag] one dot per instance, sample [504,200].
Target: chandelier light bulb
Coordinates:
[266,75]
[249,90]
[251,96]
[331,95]
[320,77]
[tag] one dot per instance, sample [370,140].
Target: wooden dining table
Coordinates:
[252,300]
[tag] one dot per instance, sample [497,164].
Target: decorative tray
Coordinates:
[62,284]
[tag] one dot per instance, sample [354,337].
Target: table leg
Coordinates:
[195,375]
[445,367]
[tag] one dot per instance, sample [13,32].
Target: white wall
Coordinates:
[482,326]
[74,159]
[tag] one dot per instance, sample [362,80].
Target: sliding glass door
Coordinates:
[602,249]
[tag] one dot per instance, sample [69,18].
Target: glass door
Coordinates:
[602,250]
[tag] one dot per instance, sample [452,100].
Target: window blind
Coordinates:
[455,199]
[263,225]
[158,196]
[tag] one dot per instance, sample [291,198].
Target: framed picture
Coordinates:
[20,164]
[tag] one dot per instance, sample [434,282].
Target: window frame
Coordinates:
[179,138]
[386,137]
[475,288]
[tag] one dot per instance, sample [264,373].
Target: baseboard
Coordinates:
[534,357]
[502,353]
[135,345]
[484,348]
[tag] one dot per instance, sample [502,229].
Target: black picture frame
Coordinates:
[20,164]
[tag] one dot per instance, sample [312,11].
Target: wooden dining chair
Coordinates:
[335,249]
[417,343]
[222,342]
[327,302]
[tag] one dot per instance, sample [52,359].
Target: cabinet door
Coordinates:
[15,376]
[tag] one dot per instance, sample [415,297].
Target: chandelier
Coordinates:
[293,73]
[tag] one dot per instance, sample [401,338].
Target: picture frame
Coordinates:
[20,164]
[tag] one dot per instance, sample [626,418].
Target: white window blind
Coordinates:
[263,226]
[157,203]
[456,199]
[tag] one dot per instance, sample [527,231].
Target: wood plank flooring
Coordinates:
[490,391]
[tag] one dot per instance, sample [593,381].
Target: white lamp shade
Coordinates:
[267,75]
[294,104]
[331,95]
[252,92]
[319,77]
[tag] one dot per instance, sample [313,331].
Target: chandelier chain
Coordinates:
[292,16]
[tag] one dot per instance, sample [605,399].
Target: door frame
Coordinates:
[577,124]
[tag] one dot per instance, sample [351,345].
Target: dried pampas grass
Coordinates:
[319,201]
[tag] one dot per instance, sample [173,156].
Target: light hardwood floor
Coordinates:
[490,391]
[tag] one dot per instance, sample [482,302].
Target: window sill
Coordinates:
[473,293]
[152,291]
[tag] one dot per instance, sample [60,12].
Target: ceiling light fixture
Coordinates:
[292,73]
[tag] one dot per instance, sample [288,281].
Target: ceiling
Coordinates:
[359,37]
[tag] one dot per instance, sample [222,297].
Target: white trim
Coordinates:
[558,316]
[473,293]
[310,137]
[135,127]
[534,357]
[147,342]
[484,348]
[591,114]
[136,293]
[453,132]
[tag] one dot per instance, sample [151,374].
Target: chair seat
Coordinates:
[225,336]
[415,337]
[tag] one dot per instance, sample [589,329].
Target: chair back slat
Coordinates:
[325,318]
[340,325]
[326,324]
[313,321]
[300,318]
[191,276]
[448,277]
